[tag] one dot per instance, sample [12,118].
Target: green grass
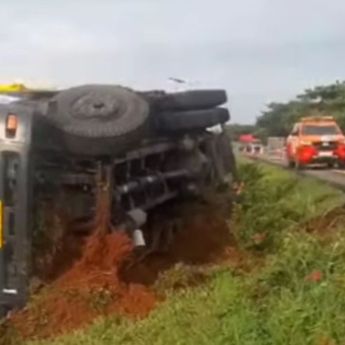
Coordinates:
[273,304]
[276,200]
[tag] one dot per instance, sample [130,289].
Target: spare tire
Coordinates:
[99,119]
[189,100]
[193,119]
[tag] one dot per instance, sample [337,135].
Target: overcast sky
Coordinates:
[259,50]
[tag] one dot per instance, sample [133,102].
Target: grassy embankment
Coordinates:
[294,293]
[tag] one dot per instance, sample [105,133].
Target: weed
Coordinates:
[100,299]
[179,276]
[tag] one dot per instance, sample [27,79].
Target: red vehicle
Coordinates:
[250,145]
[316,140]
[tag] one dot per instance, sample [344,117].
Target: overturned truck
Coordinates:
[102,144]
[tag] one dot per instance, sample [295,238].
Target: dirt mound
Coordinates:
[203,238]
[91,288]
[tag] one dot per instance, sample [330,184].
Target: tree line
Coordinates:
[278,118]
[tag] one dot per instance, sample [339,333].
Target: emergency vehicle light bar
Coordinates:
[317,118]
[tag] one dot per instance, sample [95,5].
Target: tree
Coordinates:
[236,130]
[278,118]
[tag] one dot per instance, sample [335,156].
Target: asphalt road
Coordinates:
[333,177]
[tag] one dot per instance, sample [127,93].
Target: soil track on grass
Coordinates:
[101,282]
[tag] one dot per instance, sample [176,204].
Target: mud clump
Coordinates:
[91,288]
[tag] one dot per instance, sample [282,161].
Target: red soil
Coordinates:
[314,277]
[91,288]
[204,239]
[100,282]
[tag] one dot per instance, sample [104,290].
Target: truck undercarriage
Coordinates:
[176,158]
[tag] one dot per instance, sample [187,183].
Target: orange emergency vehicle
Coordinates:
[316,139]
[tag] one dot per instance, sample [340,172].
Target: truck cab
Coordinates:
[316,140]
[15,191]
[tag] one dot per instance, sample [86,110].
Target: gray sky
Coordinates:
[259,50]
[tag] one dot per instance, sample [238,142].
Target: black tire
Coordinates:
[188,100]
[193,119]
[291,164]
[341,165]
[99,119]
[217,155]
[299,166]
[226,150]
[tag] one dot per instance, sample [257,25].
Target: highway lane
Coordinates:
[334,177]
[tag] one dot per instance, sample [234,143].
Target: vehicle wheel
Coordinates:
[189,100]
[299,166]
[330,165]
[291,164]
[99,119]
[217,171]
[341,165]
[192,119]
[226,150]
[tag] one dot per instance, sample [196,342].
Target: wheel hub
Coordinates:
[97,106]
